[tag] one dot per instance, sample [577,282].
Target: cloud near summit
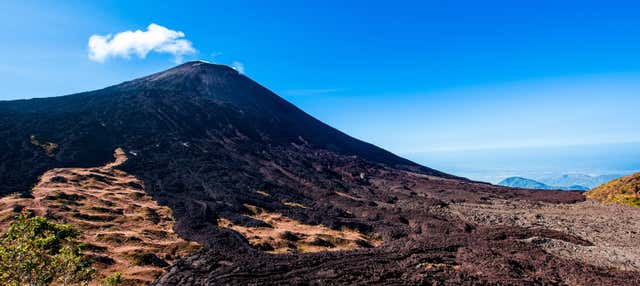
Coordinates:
[156,38]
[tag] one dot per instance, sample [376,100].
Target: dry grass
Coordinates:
[48,147]
[294,204]
[347,196]
[286,235]
[623,191]
[441,266]
[125,229]
[263,193]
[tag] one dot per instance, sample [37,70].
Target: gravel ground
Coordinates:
[614,230]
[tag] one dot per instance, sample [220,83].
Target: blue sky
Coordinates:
[434,81]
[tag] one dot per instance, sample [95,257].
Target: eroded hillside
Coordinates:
[125,229]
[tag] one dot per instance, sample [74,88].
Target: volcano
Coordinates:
[273,195]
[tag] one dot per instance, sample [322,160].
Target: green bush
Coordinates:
[34,252]
[634,201]
[114,279]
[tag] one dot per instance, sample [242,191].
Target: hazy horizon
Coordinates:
[494,165]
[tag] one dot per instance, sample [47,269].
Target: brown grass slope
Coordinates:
[125,229]
[623,191]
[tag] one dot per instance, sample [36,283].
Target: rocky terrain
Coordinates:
[276,197]
[612,230]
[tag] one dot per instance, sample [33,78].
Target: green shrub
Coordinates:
[634,201]
[36,252]
[114,279]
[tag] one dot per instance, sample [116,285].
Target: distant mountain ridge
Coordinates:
[524,183]
[578,179]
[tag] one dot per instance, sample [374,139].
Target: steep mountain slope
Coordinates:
[270,192]
[195,101]
[624,191]
[519,182]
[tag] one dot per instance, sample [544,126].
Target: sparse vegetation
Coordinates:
[140,257]
[263,193]
[294,204]
[114,279]
[113,222]
[49,148]
[281,234]
[623,191]
[34,251]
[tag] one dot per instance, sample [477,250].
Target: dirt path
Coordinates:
[614,230]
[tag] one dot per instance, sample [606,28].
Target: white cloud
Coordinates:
[238,66]
[124,44]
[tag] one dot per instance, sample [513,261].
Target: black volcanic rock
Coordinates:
[201,136]
[208,141]
[195,104]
